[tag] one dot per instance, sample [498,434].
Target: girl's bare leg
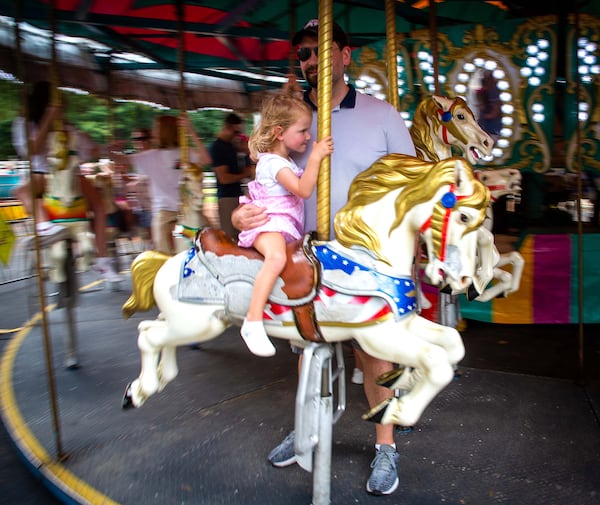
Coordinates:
[272,247]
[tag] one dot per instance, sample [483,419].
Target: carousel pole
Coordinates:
[448,310]
[324,115]
[292,54]
[392,65]
[433,37]
[322,455]
[579,164]
[190,216]
[37,242]
[183,141]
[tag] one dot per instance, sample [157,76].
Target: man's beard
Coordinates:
[312,77]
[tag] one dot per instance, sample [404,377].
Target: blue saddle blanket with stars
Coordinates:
[347,275]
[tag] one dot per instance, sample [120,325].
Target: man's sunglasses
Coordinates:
[305,52]
[141,138]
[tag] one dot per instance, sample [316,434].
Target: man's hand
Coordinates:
[248,216]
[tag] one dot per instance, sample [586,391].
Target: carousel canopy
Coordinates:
[130,48]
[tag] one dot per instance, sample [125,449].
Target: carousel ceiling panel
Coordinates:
[242,40]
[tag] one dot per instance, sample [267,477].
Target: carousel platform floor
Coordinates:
[519,426]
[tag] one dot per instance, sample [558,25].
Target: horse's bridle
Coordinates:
[446,118]
[448,201]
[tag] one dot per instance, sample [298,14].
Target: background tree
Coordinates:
[92,115]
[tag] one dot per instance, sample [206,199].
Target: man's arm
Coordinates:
[224,176]
[248,216]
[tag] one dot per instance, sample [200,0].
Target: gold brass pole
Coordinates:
[324,114]
[391,49]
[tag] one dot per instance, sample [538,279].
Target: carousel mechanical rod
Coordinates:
[40,277]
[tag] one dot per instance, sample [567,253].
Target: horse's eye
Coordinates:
[464,218]
[460,116]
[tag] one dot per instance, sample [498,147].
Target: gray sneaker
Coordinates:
[283,454]
[384,477]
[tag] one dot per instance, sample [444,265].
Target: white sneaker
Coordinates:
[253,333]
[105,268]
[357,376]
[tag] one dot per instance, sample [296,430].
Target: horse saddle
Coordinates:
[236,268]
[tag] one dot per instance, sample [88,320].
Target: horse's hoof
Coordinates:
[472,293]
[72,364]
[377,413]
[388,379]
[127,401]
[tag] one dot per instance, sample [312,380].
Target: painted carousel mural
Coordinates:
[546,132]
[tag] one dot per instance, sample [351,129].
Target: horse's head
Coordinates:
[400,196]
[501,181]
[450,232]
[441,123]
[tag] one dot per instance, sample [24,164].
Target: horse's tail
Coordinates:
[143,272]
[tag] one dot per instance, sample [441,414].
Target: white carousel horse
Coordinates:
[191,212]
[502,182]
[361,288]
[441,124]
[64,203]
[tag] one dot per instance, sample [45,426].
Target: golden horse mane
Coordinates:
[426,120]
[419,179]
[143,272]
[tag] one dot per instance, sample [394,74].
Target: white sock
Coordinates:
[378,446]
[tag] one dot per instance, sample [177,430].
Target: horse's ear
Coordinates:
[442,102]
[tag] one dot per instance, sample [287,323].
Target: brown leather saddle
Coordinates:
[301,275]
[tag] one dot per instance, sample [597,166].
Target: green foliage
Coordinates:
[6,149]
[93,115]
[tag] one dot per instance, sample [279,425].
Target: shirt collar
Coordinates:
[349,101]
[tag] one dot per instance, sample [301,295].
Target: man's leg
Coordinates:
[95,203]
[163,223]
[384,477]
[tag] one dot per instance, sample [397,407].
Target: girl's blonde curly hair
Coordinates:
[280,110]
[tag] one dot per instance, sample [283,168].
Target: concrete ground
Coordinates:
[519,426]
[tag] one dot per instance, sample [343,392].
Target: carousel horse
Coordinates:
[502,182]
[441,124]
[358,286]
[64,203]
[191,217]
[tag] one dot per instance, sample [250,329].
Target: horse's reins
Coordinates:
[448,201]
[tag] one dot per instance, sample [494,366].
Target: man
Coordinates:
[228,172]
[364,129]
